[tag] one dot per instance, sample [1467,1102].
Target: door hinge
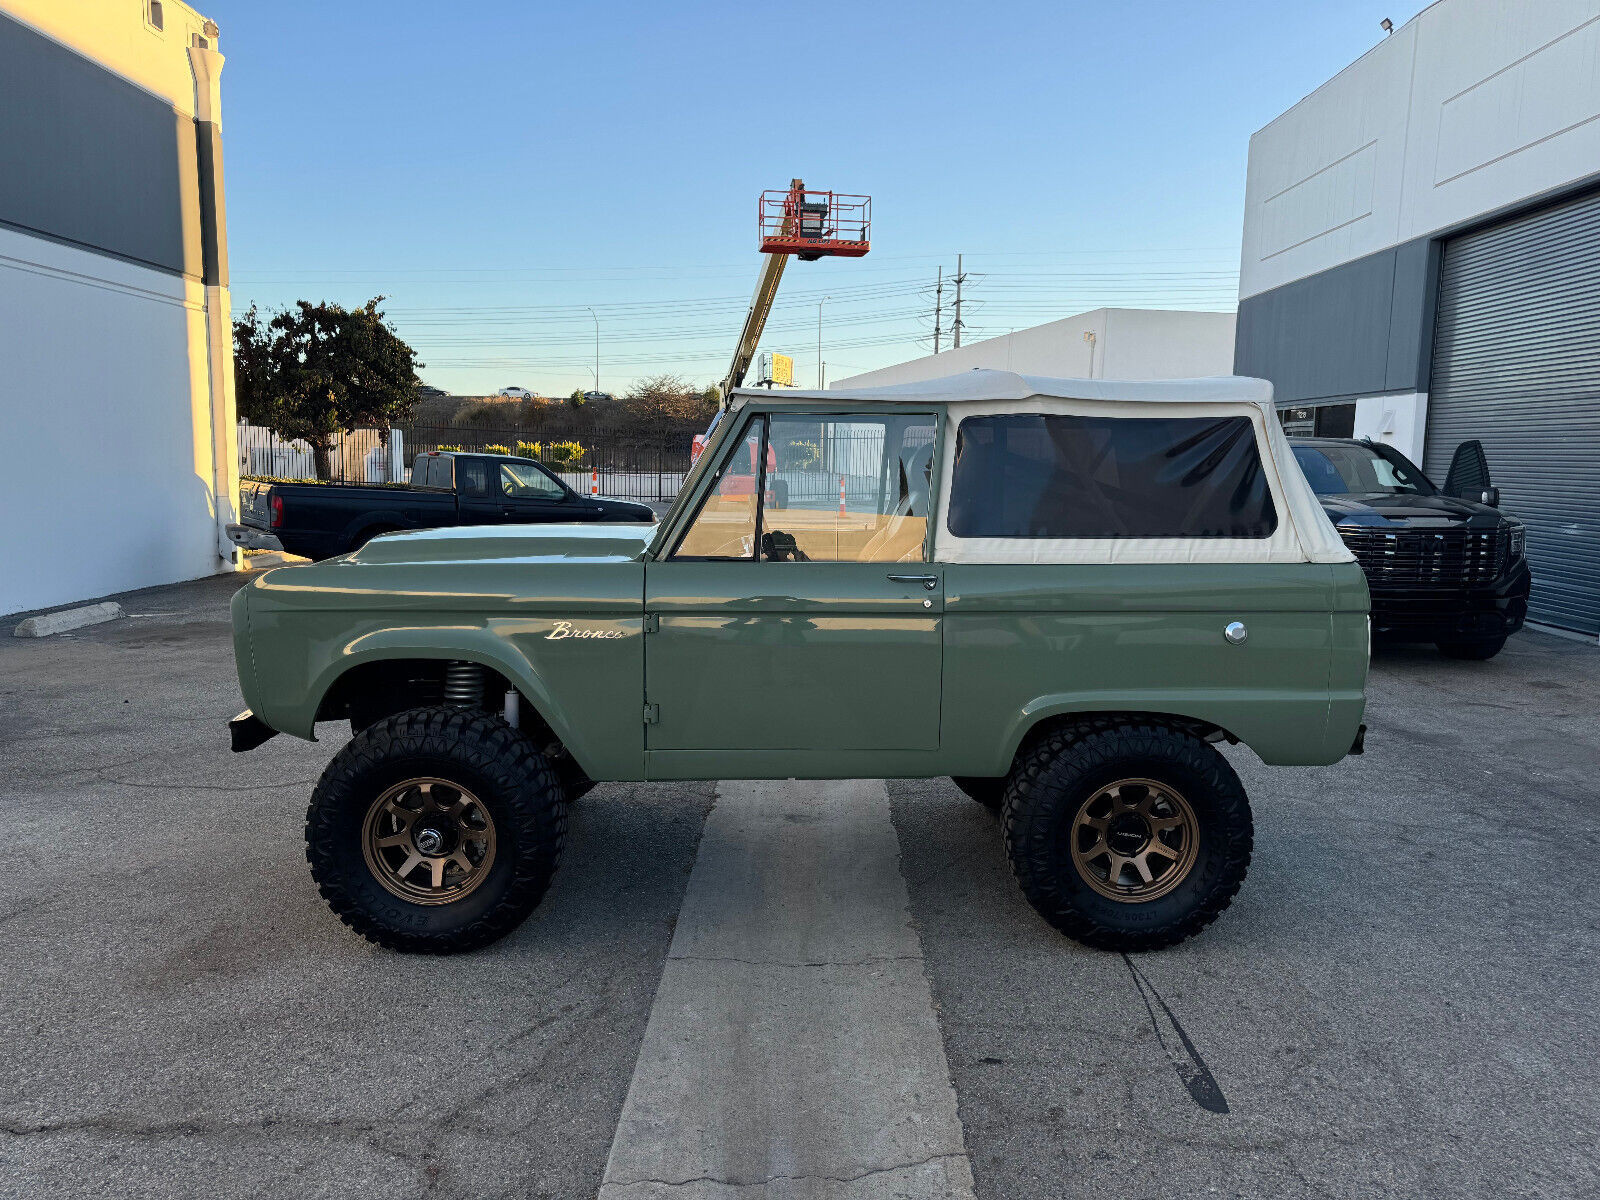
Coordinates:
[652,622]
[652,714]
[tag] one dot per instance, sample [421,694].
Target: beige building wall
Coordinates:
[119,365]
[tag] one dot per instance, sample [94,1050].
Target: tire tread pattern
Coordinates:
[1041,785]
[528,795]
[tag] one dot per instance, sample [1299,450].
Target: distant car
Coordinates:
[516,393]
[1442,565]
[591,397]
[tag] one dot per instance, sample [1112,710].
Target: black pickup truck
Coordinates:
[1442,565]
[318,520]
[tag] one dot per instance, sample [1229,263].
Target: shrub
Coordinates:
[563,453]
[527,449]
[799,456]
[447,447]
[496,448]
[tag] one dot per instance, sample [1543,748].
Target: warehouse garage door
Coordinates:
[1516,363]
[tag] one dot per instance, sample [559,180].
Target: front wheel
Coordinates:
[1131,837]
[436,830]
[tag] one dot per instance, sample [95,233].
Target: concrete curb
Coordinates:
[46,624]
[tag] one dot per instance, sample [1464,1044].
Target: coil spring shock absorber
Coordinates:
[463,684]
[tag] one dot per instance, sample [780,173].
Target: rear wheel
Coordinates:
[1477,651]
[1131,837]
[987,792]
[436,830]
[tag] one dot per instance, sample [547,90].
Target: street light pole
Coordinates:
[820,303]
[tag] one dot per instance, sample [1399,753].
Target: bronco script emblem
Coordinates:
[564,629]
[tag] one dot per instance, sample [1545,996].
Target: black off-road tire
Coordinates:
[1060,772]
[512,780]
[1477,651]
[990,793]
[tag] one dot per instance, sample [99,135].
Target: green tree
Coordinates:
[318,370]
[577,399]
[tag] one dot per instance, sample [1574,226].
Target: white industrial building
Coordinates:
[116,367]
[1107,343]
[1421,265]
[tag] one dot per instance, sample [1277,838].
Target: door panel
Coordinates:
[798,656]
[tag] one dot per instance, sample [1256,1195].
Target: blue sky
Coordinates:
[498,168]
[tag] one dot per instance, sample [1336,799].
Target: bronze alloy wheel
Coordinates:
[1134,840]
[428,841]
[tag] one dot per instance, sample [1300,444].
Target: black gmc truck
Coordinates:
[319,520]
[1443,566]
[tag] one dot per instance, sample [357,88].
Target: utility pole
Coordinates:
[938,308]
[596,351]
[955,332]
[820,303]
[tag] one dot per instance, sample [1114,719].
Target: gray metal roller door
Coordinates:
[1516,363]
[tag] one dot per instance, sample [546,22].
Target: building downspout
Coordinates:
[207,64]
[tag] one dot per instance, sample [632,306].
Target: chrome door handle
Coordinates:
[928,581]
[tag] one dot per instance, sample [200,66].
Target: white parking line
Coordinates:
[792,1050]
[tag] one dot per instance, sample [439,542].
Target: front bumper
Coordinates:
[1482,614]
[248,731]
[251,538]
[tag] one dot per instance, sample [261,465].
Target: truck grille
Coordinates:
[1429,558]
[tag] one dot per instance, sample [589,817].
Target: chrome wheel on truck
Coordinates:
[1127,836]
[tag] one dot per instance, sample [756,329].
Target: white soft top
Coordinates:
[1304,533]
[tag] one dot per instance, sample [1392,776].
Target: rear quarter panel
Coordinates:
[1023,643]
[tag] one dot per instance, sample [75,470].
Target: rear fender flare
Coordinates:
[1045,709]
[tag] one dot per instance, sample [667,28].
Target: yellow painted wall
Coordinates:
[116,34]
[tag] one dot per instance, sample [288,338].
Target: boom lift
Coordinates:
[810,225]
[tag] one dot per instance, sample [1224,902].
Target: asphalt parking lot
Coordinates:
[1400,1002]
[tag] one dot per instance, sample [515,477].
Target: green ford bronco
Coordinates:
[1061,593]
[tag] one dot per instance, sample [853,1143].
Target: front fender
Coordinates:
[589,691]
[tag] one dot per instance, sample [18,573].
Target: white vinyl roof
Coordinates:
[979,384]
[1304,533]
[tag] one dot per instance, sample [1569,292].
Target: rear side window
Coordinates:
[474,477]
[432,471]
[1051,476]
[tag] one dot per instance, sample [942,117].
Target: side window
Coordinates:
[847,488]
[725,526]
[472,476]
[519,482]
[1049,476]
[432,471]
